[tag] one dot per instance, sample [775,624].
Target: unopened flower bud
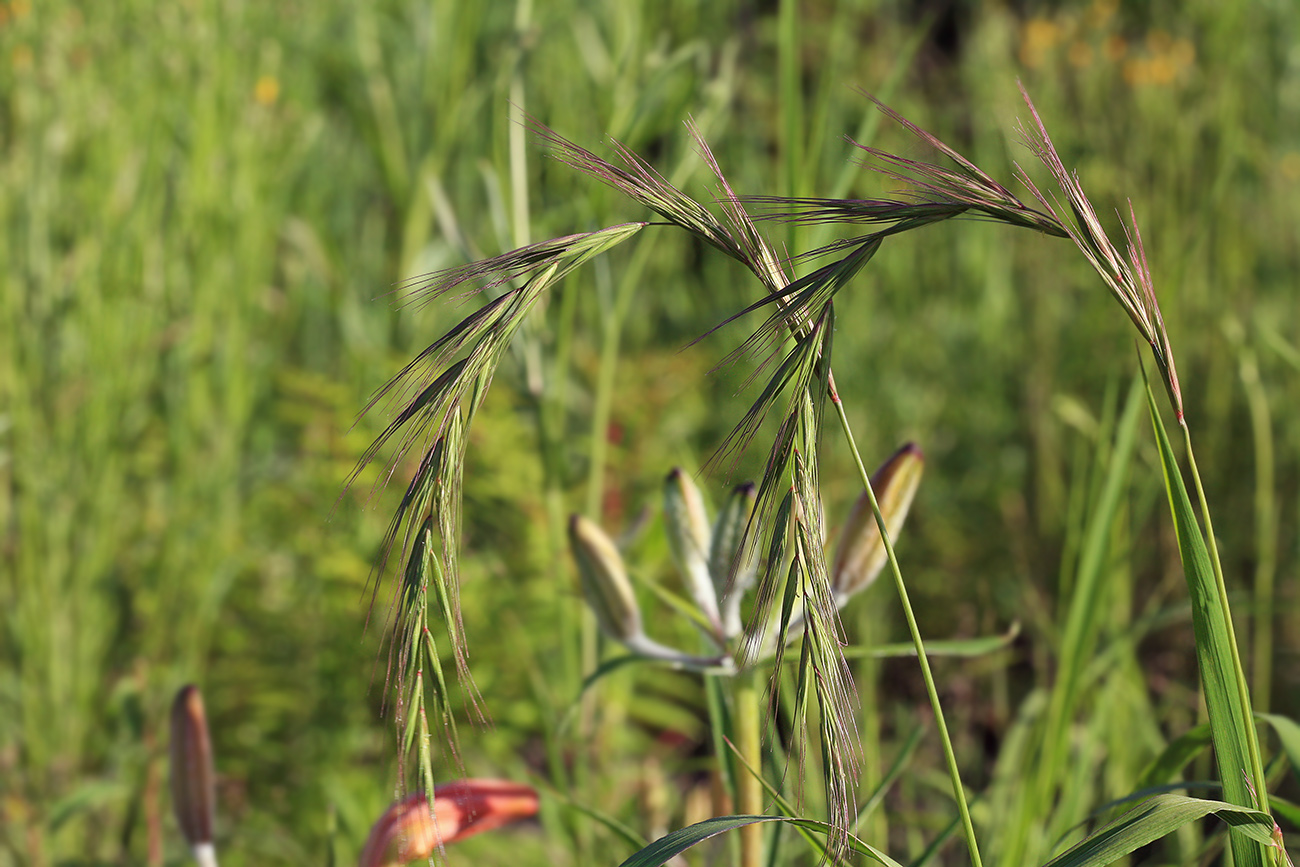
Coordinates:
[411,831]
[609,594]
[733,569]
[861,553]
[605,584]
[689,538]
[193,780]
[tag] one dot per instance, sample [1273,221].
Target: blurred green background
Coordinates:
[205,206]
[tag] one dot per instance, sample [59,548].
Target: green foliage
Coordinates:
[202,201]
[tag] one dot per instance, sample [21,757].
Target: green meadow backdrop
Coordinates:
[207,208]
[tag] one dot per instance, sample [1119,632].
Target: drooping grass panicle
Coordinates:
[798,301]
[1164,351]
[432,381]
[969,185]
[797,376]
[441,386]
[438,395]
[759,255]
[737,236]
[1127,276]
[807,299]
[823,656]
[937,194]
[787,514]
[487,274]
[641,183]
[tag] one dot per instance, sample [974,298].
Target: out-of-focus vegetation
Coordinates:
[204,206]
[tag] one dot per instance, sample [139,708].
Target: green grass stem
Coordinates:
[950,756]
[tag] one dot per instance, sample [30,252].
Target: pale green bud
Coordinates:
[733,569]
[690,538]
[605,584]
[609,594]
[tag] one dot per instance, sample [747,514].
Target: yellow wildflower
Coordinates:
[1183,54]
[1101,11]
[1115,48]
[1289,165]
[1080,55]
[267,90]
[1038,37]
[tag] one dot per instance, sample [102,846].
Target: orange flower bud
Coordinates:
[410,831]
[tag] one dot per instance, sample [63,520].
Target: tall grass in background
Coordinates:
[201,201]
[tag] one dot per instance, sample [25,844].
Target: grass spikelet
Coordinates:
[1126,275]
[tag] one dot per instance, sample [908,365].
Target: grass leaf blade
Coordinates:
[1156,818]
[1228,718]
[671,845]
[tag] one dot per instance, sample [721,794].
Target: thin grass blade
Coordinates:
[671,845]
[1156,818]
[1219,675]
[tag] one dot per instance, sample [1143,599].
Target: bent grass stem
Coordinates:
[950,756]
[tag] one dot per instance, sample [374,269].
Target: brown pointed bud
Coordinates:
[605,584]
[411,831]
[193,781]
[733,569]
[861,553]
[690,538]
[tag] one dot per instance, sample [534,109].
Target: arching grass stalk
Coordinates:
[940,193]
[950,757]
[1227,695]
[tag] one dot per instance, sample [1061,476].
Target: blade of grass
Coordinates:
[671,845]
[1154,819]
[1231,725]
